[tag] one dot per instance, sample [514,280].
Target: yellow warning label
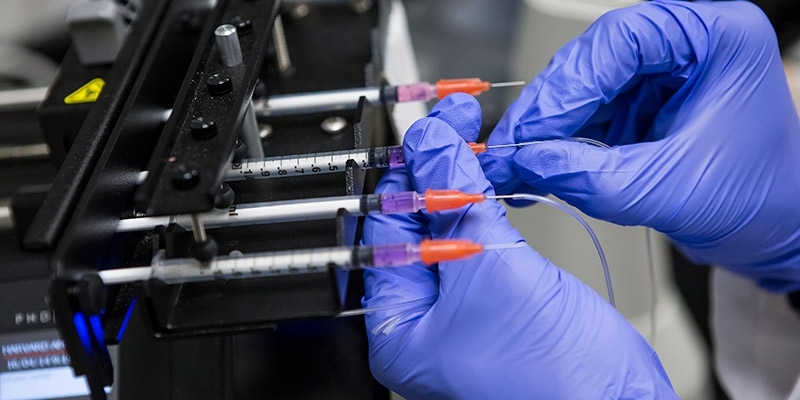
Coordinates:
[87,93]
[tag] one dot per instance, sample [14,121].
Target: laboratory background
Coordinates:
[98,98]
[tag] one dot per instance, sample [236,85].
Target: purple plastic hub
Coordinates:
[402,202]
[396,157]
[416,92]
[393,255]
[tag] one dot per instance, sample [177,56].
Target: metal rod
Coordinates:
[252,214]
[228,44]
[250,134]
[6,217]
[22,99]
[330,100]
[198,230]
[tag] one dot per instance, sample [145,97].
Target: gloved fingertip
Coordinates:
[437,158]
[462,112]
[541,160]
[497,165]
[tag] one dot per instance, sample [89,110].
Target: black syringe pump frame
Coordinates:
[167,46]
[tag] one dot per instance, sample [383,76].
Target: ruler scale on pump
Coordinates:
[316,163]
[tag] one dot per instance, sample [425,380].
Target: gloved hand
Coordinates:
[694,97]
[502,324]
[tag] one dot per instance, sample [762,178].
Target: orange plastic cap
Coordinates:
[438,200]
[478,148]
[473,86]
[434,251]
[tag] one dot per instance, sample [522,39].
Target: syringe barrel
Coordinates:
[422,91]
[255,266]
[394,255]
[401,202]
[396,156]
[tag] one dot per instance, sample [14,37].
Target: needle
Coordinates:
[508,84]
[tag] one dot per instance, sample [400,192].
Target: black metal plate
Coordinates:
[178,151]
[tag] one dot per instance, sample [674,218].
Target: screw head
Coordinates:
[219,84]
[333,125]
[264,131]
[243,26]
[191,21]
[239,151]
[202,129]
[361,6]
[299,11]
[184,178]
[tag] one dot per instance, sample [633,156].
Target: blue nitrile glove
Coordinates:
[694,96]
[502,324]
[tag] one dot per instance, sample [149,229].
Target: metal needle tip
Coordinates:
[507,84]
[503,246]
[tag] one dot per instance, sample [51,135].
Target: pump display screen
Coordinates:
[35,365]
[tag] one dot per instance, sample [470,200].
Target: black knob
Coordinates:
[224,197]
[243,26]
[206,250]
[219,84]
[184,178]
[202,129]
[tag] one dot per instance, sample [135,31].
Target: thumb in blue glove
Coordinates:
[502,324]
[695,97]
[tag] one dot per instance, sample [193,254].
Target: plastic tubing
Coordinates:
[389,324]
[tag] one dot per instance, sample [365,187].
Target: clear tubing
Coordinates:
[578,139]
[424,303]
[256,213]
[589,230]
[401,202]
[422,91]
[653,289]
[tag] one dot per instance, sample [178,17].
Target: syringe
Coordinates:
[277,263]
[329,100]
[312,209]
[336,161]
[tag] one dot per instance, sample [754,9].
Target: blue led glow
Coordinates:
[83,331]
[126,320]
[97,329]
